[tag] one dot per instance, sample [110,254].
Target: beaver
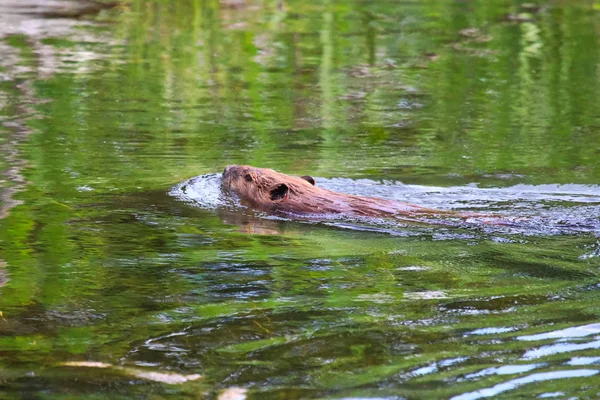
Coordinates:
[272,192]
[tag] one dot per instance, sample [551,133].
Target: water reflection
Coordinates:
[491,107]
[534,378]
[504,370]
[567,333]
[560,348]
[584,360]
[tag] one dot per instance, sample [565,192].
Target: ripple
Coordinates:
[534,378]
[572,332]
[491,331]
[203,191]
[584,361]
[559,348]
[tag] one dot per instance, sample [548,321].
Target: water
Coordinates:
[115,284]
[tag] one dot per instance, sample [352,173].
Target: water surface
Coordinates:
[112,287]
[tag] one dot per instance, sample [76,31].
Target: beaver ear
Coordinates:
[309,179]
[279,192]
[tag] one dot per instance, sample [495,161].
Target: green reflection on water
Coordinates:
[100,264]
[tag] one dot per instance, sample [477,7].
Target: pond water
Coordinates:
[114,283]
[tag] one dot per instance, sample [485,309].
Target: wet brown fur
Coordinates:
[275,193]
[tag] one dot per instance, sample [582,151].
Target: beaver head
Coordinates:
[270,191]
[263,188]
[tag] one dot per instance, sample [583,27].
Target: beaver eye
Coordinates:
[248,178]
